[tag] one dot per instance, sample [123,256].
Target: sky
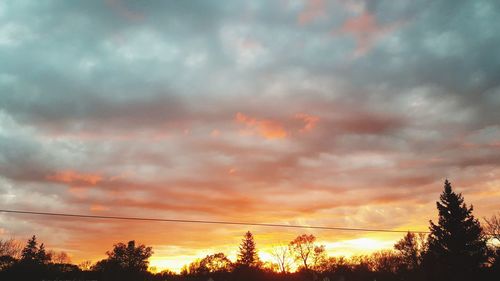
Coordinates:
[347,113]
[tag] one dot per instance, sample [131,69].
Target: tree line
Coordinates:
[457,248]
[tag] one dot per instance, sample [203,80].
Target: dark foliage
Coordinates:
[247,256]
[216,263]
[457,245]
[34,254]
[125,262]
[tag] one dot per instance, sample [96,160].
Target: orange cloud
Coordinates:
[76,178]
[98,208]
[266,128]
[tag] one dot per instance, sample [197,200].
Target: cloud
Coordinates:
[266,128]
[230,111]
[310,121]
[122,10]
[313,10]
[365,29]
[75,178]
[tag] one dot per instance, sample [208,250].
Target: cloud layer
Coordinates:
[344,113]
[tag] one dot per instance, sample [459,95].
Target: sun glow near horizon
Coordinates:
[310,112]
[346,248]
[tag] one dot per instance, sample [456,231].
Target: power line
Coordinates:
[208,222]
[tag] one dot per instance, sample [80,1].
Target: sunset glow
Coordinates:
[339,113]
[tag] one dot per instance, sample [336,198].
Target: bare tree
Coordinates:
[493,227]
[10,247]
[61,257]
[282,256]
[387,261]
[85,265]
[411,248]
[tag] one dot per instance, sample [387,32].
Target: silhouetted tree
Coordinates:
[192,268]
[216,263]
[335,264]
[411,248]
[493,227]
[33,264]
[209,264]
[60,257]
[386,261]
[130,257]
[457,246]
[270,267]
[282,256]
[10,251]
[362,265]
[29,252]
[32,253]
[302,248]
[493,232]
[85,265]
[10,247]
[42,256]
[247,255]
[6,262]
[319,258]
[125,262]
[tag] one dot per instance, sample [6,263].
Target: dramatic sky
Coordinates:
[340,113]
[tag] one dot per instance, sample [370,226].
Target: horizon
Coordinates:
[359,247]
[342,113]
[364,245]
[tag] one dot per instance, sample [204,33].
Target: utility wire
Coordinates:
[208,222]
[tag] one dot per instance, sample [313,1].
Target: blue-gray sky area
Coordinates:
[342,113]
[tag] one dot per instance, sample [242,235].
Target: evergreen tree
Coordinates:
[30,251]
[42,257]
[457,246]
[248,252]
[34,254]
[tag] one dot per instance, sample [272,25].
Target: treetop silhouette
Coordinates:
[247,255]
[457,245]
[32,253]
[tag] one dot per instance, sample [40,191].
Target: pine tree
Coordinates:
[457,246]
[42,257]
[32,253]
[29,253]
[248,253]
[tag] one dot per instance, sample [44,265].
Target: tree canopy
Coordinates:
[303,248]
[130,257]
[457,245]
[32,253]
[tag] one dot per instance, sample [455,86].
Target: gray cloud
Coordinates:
[348,107]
